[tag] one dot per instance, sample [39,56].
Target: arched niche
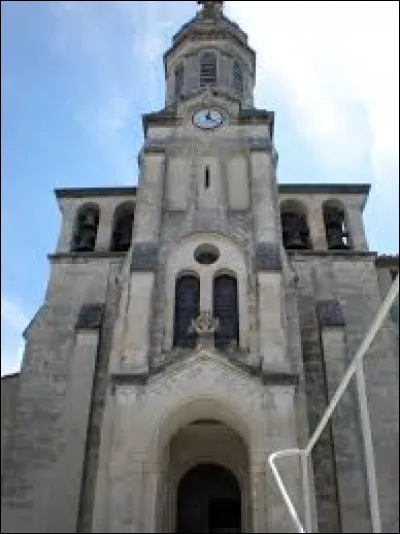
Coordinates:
[336,227]
[85,228]
[295,227]
[123,218]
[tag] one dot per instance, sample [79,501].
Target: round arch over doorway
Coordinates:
[204,455]
[208,501]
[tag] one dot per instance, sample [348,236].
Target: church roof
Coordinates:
[202,27]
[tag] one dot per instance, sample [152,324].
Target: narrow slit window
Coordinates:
[206,178]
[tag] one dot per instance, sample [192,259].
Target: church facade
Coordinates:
[198,322]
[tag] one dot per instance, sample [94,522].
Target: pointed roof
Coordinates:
[208,23]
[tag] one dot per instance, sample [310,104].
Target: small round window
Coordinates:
[206,254]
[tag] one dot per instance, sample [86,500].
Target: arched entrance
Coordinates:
[205,486]
[208,500]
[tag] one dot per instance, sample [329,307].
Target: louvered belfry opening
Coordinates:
[208,69]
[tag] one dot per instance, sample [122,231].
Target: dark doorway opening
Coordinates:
[208,501]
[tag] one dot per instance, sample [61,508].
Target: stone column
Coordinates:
[282,434]
[68,212]
[317,228]
[258,494]
[153,498]
[273,347]
[263,192]
[355,224]
[64,508]
[125,501]
[102,494]
[104,231]
[150,196]
[136,336]
[348,445]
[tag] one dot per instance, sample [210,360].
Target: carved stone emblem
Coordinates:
[204,323]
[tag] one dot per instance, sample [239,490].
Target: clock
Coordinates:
[208,118]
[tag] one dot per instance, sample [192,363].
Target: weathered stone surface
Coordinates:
[330,313]
[90,316]
[268,257]
[144,257]
[150,410]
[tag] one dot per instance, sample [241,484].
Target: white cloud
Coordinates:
[116,43]
[12,314]
[330,58]
[13,322]
[332,67]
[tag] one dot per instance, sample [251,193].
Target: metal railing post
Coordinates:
[354,367]
[281,486]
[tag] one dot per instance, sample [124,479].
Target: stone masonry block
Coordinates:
[268,257]
[330,313]
[90,316]
[144,256]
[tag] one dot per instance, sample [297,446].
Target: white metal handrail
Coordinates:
[353,368]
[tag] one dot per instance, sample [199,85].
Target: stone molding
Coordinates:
[260,144]
[250,365]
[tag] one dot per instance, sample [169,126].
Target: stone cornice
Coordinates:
[387,261]
[253,370]
[11,376]
[256,117]
[73,257]
[348,254]
[284,189]
[163,118]
[89,192]
[324,189]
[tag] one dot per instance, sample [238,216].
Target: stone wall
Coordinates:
[351,281]
[9,389]
[38,443]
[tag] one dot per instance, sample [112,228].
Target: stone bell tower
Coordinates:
[198,322]
[203,310]
[207,169]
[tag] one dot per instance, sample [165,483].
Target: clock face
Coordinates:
[208,118]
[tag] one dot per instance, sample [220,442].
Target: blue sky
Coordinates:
[76,77]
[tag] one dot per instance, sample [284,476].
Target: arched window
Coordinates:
[187,307]
[122,228]
[86,225]
[179,77]
[225,304]
[295,231]
[337,235]
[208,68]
[237,76]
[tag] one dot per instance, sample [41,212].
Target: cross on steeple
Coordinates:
[211,7]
